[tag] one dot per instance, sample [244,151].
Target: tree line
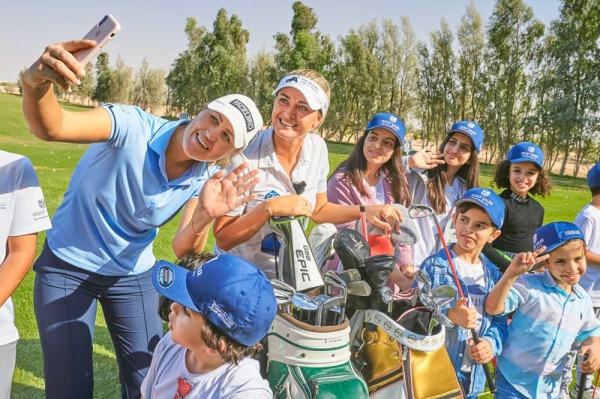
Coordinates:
[519,79]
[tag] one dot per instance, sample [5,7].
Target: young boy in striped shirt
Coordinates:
[551,312]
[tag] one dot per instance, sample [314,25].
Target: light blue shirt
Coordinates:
[119,195]
[546,323]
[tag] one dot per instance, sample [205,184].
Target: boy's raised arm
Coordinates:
[522,263]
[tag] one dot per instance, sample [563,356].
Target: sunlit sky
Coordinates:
[154,29]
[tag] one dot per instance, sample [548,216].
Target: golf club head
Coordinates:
[416,211]
[297,265]
[304,307]
[350,275]
[443,291]
[276,283]
[443,320]
[423,281]
[359,288]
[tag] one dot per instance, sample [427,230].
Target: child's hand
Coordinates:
[593,358]
[481,352]
[462,315]
[524,261]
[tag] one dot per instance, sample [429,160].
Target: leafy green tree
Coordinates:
[513,35]
[122,82]
[263,76]
[102,91]
[213,65]
[149,88]
[574,59]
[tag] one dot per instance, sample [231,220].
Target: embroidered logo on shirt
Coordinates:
[184,387]
[518,198]
[271,194]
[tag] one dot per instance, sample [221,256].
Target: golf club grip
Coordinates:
[488,375]
[582,378]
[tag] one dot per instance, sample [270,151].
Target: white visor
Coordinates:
[312,92]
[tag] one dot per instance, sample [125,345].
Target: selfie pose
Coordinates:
[136,175]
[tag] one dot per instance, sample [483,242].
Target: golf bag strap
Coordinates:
[299,344]
[404,336]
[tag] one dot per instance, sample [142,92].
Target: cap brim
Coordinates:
[171,281]
[313,103]
[519,160]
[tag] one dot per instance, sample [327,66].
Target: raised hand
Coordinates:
[58,65]
[524,261]
[426,158]
[221,194]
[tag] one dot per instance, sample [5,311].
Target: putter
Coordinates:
[416,211]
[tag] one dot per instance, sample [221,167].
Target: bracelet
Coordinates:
[192,226]
[268,208]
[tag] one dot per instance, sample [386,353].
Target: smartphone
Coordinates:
[102,33]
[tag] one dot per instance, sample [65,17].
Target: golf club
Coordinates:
[416,211]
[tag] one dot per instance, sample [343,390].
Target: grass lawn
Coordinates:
[54,163]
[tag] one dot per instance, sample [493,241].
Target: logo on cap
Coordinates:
[485,193]
[165,276]
[221,314]
[240,106]
[393,118]
[471,125]
[530,149]
[293,79]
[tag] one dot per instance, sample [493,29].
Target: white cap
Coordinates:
[313,93]
[243,115]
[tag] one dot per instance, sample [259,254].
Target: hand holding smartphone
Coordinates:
[102,33]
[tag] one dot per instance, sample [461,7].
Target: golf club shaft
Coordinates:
[488,375]
[582,378]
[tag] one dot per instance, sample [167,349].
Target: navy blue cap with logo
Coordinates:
[488,200]
[471,129]
[526,152]
[388,121]
[231,292]
[555,234]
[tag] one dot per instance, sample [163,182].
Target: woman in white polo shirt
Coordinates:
[294,165]
[136,175]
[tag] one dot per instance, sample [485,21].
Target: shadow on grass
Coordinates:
[29,376]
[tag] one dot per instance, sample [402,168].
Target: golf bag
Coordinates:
[399,359]
[296,263]
[305,361]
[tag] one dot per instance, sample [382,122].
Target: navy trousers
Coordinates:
[66,299]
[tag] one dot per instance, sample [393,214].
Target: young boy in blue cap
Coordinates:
[220,313]
[551,312]
[479,216]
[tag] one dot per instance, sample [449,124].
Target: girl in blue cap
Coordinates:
[520,174]
[441,186]
[373,174]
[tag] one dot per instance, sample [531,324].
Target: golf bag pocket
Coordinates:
[401,360]
[306,361]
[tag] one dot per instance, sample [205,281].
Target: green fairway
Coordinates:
[54,163]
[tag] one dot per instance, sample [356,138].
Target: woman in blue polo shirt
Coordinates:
[138,172]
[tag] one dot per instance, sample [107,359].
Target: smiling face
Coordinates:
[522,177]
[567,264]
[474,229]
[379,146]
[208,137]
[291,116]
[457,150]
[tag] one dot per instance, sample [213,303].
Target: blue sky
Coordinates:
[154,29]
